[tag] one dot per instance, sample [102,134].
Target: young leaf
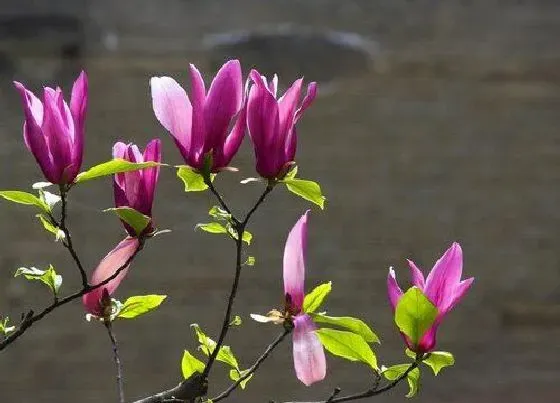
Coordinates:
[413,377]
[250,261]
[415,314]
[212,227]
[47,277]
[139,305]
[354,325]
[437,360]
[236,321]
[193,181]
[247,237]
[292,172]
[25,198]
[41,185]
[315,298]
[207,345]
[235,375]
[347,345]
[111,167]
[58,233]
[135,219]
[305,189]
[4,328]
[219,213]
[190,365]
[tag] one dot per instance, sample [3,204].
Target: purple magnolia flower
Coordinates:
[272,123]
[54,132]
[443,288]
[200,125]
[98,301]
[136,188]
[309,356]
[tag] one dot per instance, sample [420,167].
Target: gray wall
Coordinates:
[451,133]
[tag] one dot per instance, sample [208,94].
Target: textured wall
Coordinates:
[451,134]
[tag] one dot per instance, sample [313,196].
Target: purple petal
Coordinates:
[458,294]
[416,273]
[224,154]
[106,268]
[173,109]
[428,342]
[308,100]
[393,289]
[120,151]
[198,97]
[150,175]
[223,102]
[444,277]
[273,85]
[78,108]
[294,262]
[287,108]
[309,356]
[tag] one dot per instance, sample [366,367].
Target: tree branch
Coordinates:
[117,359]
[254,367]
[30,318]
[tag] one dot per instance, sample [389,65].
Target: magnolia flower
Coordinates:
[271,123]
[443,287]
[136,189]
[54,132]
[309,356]
[200,125]
[98,301]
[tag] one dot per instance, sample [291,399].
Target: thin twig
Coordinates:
[254,367]
[268,189]
[334,394]
[29,320]
[67,241]
[117,359]
[218,196]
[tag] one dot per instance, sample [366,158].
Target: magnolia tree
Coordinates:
[208,127]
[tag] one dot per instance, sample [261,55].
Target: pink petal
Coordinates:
[428,341]
[445,276]
[308,100]
[273,85]
[223,155]
[458,294]
[224,100]
[106,268]
[393,289]
[287,108]
[198,97]
[56,131]
[173,109]
[150,175]
[294,262]
[309,356]
[416,273]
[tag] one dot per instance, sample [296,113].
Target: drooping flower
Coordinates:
[309,356]
[53,131]
[272,123]
[98,301]
[200,125]
[136,189]
[443,287]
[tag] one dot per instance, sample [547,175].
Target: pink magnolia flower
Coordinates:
[54,132]
[200,125]
[136,188]
[309,356]
[272,123]
[98,301]
[443,287]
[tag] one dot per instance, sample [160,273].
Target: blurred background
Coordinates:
[436,121]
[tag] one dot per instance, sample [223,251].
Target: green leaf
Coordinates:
[415,314]
[4,328]
[437,360]
[134,218]
[305,189]
[190,365]
[58,233]
[354,325]
[193,180]
[50,199]
[236,321]
[347,345]
[207,345]
[292,172]
[250,261]
[111,167]
[315,298]
[247,237]
[212,227]
[413,377]
[139,305]
[47,277]
[235,375]
[219,213]
[25,198]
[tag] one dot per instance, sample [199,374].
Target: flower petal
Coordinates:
[309,355]
[114,260]
[308,100]
[417,275]
[445,276]
[57,131]
[393,289]
[150,175]
[198,131]
[224,154]
[294,262]
[459,294]
[173,109]
[78,109]
[224,100]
